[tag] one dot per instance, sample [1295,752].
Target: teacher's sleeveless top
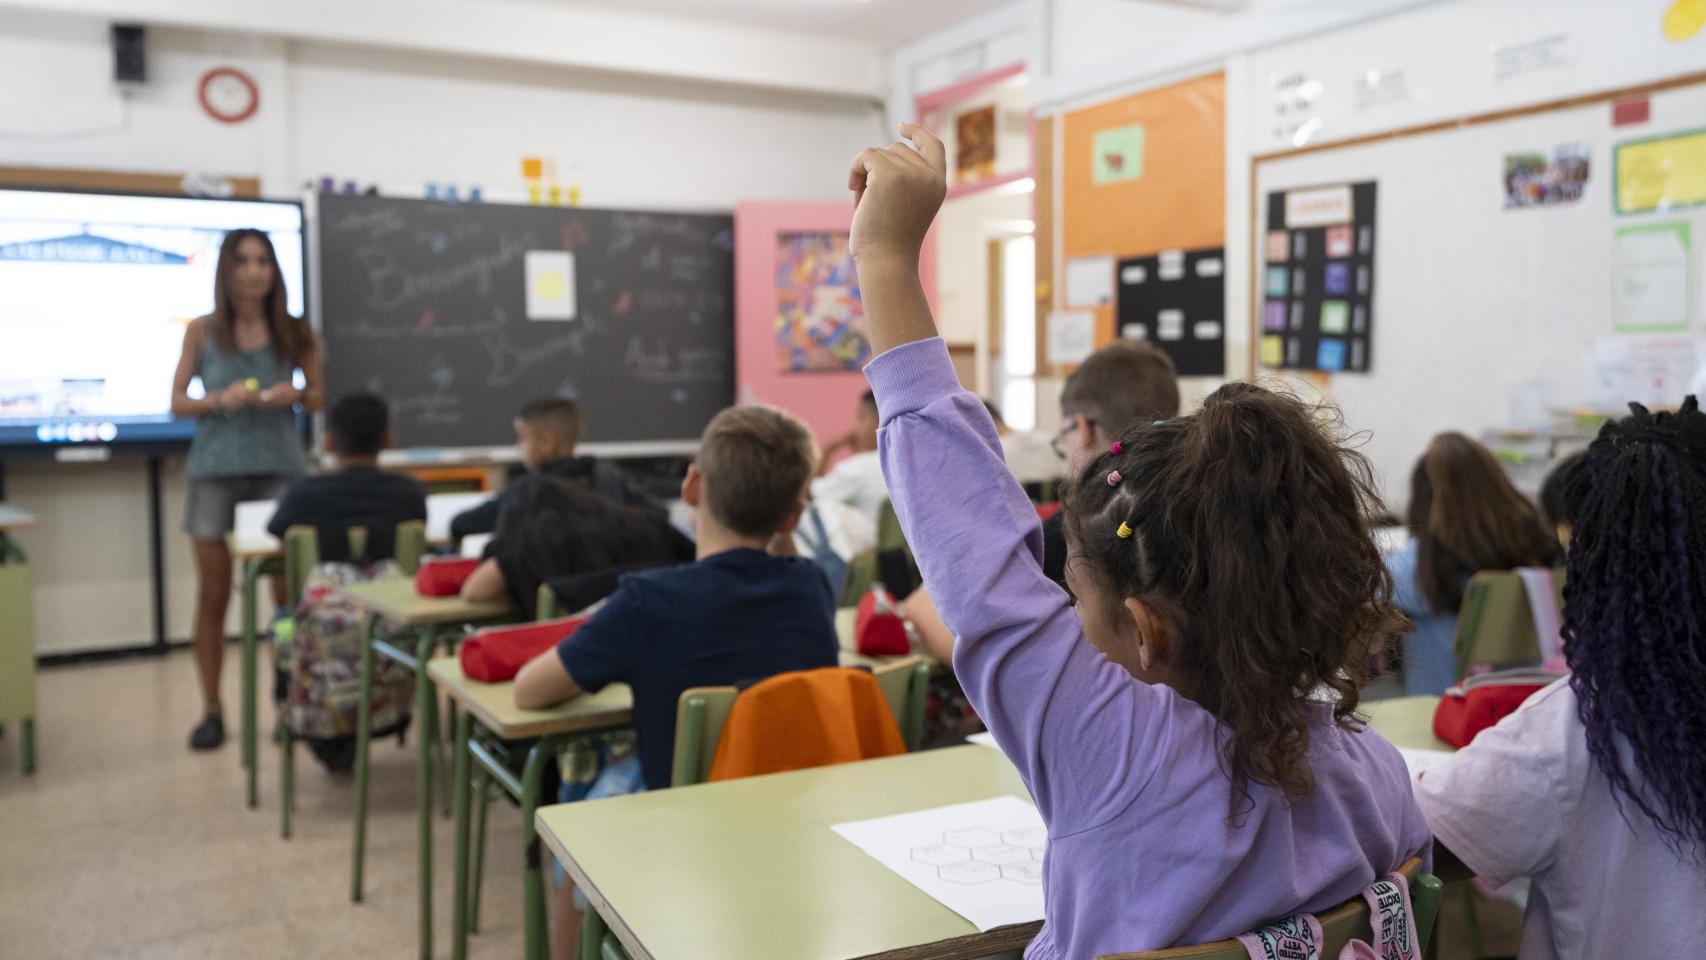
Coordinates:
[254,441]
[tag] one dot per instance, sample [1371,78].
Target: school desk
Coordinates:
[750,868]
[1406,721]
[17,635]
[491,707]
[259,554]
[433,620]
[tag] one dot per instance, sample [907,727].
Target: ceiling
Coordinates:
[879,24]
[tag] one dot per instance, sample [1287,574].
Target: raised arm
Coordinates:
[1056,704]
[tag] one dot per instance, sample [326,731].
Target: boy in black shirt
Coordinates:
[546,432]
[357,492]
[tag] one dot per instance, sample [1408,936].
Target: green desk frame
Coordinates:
[17,640]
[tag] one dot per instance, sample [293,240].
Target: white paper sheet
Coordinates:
[982,860]
[1654,370]
[984,739]
[550,284]
[1652,279]
[1090,281]
[250,528]
[1420,760]
[1071,336]
[443,507]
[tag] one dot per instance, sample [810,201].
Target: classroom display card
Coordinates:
[550,278]
[1176,300]
[983,860]
[1661,173]
[1652,271]
[1317,280]
[1071,336]
[1090,281]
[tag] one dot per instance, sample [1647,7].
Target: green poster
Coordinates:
[1119,154]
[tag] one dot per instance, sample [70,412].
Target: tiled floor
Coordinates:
[125,844]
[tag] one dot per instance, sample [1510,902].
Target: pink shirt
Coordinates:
[1526,800]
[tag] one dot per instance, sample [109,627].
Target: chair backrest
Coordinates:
[1495,624]
[302,552]
[1339,925]
[702,711]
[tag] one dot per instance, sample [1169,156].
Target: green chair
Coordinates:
[1338,925]
[17,648]
[1495,624]
[699,718]
[301,555]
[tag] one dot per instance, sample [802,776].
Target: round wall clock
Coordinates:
[229,95]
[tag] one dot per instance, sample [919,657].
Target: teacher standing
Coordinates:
[246,444]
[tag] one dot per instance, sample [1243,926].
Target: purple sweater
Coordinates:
[1125,774]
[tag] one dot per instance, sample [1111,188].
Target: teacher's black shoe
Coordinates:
[209,734]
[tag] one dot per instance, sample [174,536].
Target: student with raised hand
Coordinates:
[1188,728]
[856,479]
[1596,786]
[1465,516]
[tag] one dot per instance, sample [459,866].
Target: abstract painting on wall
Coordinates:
[820,317]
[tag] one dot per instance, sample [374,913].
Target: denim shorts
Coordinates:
[210,510]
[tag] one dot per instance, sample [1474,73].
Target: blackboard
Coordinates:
[1176,300]
[426,304]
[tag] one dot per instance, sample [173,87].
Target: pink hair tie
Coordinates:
[1117,448]
[1114,478]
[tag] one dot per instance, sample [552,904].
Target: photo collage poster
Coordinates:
[1176,300]
[1317,279]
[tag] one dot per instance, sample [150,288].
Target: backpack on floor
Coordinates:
[319,661]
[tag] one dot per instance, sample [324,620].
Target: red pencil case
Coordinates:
[496,654]
[444,578]
[1482,701]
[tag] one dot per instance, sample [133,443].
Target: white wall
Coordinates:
[385,117]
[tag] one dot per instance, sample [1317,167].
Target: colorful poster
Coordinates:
[1176,300]
[1533,180]
[974,144]
[820,318]
[1118,154]
[1662,173]
[1318,279]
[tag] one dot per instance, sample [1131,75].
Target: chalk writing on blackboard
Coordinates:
[390,286]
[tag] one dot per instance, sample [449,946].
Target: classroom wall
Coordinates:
[383,117]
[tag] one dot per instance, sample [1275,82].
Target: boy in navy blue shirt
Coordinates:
[740,613]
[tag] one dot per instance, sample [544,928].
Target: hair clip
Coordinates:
[1158,423]
[1116,448]
[1124,532]
[1114,478]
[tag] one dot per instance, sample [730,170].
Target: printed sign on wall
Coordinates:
[1317,279]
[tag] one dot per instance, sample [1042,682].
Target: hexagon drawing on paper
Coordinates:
[938,854]
[1028,837]
[969,873]
[971,837]
[1001,853]
[1028,872]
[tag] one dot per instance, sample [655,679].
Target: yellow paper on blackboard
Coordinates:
[1661,174]
[1273,351]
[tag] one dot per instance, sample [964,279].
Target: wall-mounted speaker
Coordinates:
[130,53]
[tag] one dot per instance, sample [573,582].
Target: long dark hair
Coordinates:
[1635,612]
[1467,516]
[292,340]
[1248,538]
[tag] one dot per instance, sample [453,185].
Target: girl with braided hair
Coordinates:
[1188,727]
[1596,786]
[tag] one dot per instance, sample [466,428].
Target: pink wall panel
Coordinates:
[825,401]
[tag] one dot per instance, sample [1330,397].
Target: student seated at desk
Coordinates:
[856,479]
[550,527]
[547,431]
[740,613]
[1188,726]
[356,492]
[1465,516]
[1596,786]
